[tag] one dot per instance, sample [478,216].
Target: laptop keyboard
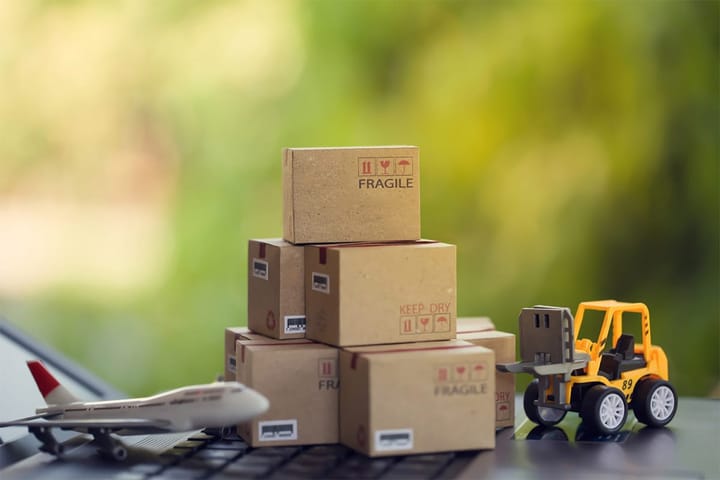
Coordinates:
[202,456]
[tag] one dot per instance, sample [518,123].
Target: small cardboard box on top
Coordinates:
[301,382]
[368,294]
[351,194]
[276,293]
[417,398]
[232,334]
[476,331]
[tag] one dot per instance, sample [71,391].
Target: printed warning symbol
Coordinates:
[366,166]
[387,166]
[407,325]
[442,323]
[478,371]
[460,373]
[442,374]
[502,411]
[424,325]
[403,166]
[327,368]
[270,320]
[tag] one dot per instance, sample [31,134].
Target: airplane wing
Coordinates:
[140,424]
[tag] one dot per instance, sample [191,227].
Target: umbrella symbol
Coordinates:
[403,164]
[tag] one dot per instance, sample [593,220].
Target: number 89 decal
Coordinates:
[627,384]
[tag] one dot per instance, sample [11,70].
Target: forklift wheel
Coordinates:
[604,409]
[654,402]
[540,415]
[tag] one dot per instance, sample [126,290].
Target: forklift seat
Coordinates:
[620,359]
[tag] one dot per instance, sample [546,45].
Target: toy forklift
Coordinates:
[578,375]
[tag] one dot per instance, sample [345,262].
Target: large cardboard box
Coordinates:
[503,344]
[351,194]
[380,293]
[301,382]
[232,334]
[417,398]
[276,294]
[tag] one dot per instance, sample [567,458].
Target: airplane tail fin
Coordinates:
[51,390]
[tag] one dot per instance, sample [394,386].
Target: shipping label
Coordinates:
[260,268]
[277,430]
[294,324]
[394,440]
[321,282]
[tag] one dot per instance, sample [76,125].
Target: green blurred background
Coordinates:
[569,149]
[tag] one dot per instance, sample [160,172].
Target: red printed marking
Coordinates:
[261,253]
[323,255]
[46,383]
[270,320]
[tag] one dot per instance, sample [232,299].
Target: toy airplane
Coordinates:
[213,405]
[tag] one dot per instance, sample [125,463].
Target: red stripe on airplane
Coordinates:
[45,381]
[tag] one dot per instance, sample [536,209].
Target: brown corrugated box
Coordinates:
[477,332]
[301,382]
[417,398]
[232,334]
[259,340]
[380,293]
[351,194]
[276,293]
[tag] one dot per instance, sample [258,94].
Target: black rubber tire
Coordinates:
[540,415]
[595,407]
[651,391]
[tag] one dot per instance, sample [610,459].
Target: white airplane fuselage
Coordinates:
[189,408]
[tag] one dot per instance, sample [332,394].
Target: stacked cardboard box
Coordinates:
[378,300]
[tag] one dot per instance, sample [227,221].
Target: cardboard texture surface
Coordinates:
[276,293]
[474,324]
[417,398]
[351,194]
[380,293]
[232,334]
[301,382]
[259,340]
[503,344]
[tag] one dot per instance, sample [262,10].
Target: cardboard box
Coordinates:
[503,344]
[276,293]
[474,324]
[380,293]
[301,382]
[259,340]
[351,194]
[417,398]
[232,334]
